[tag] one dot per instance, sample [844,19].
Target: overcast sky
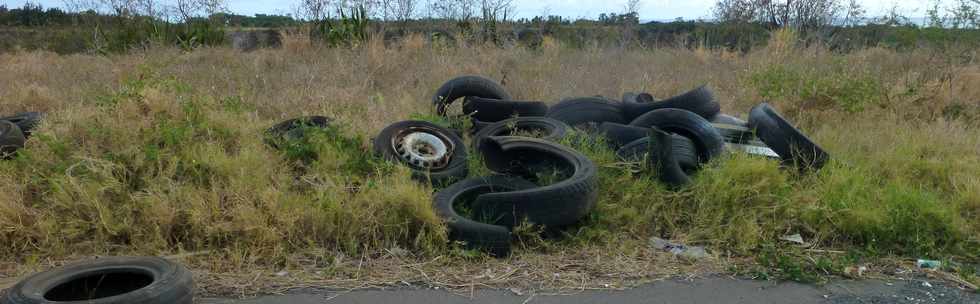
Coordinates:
[649,10]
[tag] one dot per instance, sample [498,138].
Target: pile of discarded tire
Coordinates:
[675,136]
[15,130]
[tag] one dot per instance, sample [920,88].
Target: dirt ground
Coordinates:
[714,289]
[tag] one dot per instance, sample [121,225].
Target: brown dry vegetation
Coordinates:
[160,152]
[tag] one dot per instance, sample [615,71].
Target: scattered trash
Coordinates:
[795,238]
[926,284]
[282,273]
[681,250]
[855,271]
[929,264]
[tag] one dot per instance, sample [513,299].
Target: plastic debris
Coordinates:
[855,271]
[680,250]
[929,264]
[795,238]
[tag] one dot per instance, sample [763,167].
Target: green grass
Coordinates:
[169,158]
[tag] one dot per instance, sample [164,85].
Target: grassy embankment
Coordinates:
[160,152]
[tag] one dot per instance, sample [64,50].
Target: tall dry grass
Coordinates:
[160,151]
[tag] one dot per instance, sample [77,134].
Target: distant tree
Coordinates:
[459,10]
[965,14]
[633,7]
[397,9]
[802,15]
[933,16]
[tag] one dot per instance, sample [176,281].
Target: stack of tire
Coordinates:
[675,136]
[15,130]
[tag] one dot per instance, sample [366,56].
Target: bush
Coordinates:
[837,86]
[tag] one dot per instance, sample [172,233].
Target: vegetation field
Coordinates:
[160,152]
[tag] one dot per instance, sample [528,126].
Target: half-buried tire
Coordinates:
[476,235]
[432,152]
[109,280]
[26,121]
[11,139]
[542,127]
[706,138]
[293,129]
[792,146]
[559,204]
[661,159]
[618,135]
[683,149]
[463,86]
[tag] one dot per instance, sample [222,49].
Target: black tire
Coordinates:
[551,130]
[683,149]
[661,159]
[556,205]
[618,135]
[11,139]
[476,235]
[448,167]
[634,97]
[585,111]
[706,138]
[294,129]
[109,280]
[26,121]
[463,86]
[494,110]
[479,125]
[700,100]
[791,145]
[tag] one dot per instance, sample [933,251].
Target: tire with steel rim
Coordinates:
[432,152]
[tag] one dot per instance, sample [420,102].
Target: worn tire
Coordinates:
[661,159]
[121,280]
[577,112]
[556,205]
[551,129]
[26,121]
[294,129]
[684,151]
[479,125]
[387,145]
[494,239]
[792,146]
[493,110]
[618,135]
[700,100]
[635,97]
[11,139]
[464,86]
[706,138]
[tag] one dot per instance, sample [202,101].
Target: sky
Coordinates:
[649,9]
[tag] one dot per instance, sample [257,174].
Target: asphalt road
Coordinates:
[702,291]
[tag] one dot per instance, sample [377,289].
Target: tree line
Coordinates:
[736,24]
